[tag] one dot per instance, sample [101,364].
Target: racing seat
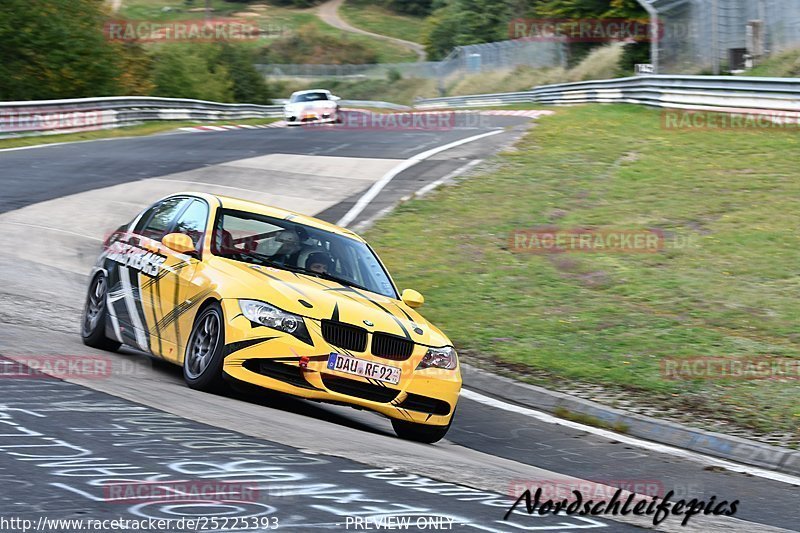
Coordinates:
[223,243]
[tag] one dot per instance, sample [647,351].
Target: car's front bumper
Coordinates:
[271,359]
[310,117]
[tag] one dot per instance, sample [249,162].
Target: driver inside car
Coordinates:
[320,262]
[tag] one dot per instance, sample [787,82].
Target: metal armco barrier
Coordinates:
[712,93]
[80,114]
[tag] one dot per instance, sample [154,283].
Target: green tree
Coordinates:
[462,22]
[590,9]
[417,8]
[55,49]
[136,70]
[596,9]
[249,85]
[191,71]
[441,32]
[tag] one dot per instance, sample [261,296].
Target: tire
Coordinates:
[419,432]
[202,362]
[95,314]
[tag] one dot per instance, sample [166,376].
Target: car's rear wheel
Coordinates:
[419,432]
[95,313]
[202,363]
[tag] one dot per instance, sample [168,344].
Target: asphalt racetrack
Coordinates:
[315,467]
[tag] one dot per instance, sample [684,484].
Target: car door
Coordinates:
[176,294]
[134,263]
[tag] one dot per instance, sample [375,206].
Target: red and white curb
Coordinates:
[278,124]
[530,113]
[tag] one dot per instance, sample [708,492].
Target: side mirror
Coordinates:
[412,298]
[178,242]
[335,98]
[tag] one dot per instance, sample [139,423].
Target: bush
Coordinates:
[393,75]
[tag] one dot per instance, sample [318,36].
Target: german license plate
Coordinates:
[364,368]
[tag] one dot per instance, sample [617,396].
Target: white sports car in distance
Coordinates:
[314,105]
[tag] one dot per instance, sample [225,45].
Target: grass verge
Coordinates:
[726,284]
[377,19]
[783,65]
[132,131]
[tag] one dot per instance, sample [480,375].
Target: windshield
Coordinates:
[308,97]
[284,244]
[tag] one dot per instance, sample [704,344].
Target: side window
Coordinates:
[144,220]
[193,222]
[162,217]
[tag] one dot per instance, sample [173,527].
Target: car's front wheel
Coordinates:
[419,432]
[202,363]
[93,328]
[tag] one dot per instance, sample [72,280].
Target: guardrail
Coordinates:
[711,93]
[375,104]
[81,114]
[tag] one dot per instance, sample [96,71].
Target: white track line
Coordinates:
[652,446]
[378,186]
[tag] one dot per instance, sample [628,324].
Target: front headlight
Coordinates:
[267,315]
[439,358]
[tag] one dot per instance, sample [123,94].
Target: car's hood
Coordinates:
[320,298]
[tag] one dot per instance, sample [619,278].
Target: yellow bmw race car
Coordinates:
[237,291]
